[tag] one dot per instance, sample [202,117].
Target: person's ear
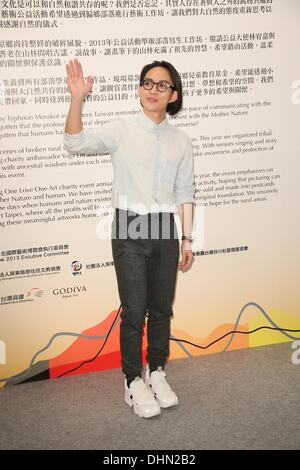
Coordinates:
[174,96]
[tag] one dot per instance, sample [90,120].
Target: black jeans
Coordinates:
[146,270]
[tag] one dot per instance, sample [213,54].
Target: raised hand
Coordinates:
[78,87]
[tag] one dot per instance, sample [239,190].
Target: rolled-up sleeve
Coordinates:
[185,181]
[94,140]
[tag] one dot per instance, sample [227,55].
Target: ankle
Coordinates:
[153,369]
[131,379]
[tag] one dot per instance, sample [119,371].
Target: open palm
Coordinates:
[78,87]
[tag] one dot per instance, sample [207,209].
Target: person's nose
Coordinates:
[154,89]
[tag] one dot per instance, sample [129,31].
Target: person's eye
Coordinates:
[164,84]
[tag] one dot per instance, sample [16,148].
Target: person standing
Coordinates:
[153,177]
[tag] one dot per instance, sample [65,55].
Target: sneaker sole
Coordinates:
[162,405]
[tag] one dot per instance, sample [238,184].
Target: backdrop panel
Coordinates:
[241,83]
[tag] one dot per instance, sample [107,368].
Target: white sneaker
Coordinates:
[139,396]
[160,387]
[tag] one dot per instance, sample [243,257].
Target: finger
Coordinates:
[179,264]
[80,71]
[76,67]
[184,260]
[89,81]
[71,68]
[188,261]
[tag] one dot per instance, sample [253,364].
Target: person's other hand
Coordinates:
[187,256]
[78,87]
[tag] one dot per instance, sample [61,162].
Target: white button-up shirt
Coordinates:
[153,163]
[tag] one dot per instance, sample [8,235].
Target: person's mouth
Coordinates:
[152,100]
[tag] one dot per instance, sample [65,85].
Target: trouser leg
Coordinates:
[131,270]
[162,275]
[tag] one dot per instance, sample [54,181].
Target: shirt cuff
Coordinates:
[183,198]
[71,141]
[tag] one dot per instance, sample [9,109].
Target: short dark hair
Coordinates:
[175,107]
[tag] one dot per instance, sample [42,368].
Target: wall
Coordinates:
[239,70]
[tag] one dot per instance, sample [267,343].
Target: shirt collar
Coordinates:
[150,125]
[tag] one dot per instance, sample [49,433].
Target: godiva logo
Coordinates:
[69,290]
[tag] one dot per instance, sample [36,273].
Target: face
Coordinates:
[155,101]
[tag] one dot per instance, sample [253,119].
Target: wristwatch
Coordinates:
[184,237]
